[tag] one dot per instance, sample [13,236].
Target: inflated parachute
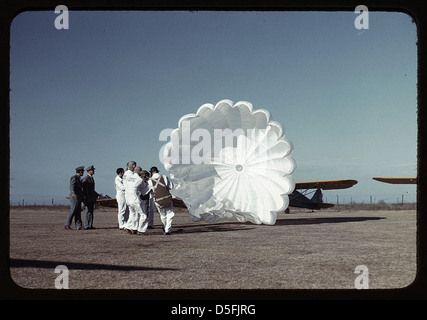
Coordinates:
[230,160]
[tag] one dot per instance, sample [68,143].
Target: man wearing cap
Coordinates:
[76,197]
[147,203]
[89,196]
[143,204]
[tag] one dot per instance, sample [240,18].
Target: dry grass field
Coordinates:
[303,250]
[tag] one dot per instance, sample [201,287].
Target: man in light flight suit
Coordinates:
[123,211]
[132,181]
[165,210]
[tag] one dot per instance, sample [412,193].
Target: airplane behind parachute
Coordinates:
[299,199]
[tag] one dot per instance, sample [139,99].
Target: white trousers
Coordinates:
[137,218]
[166,216]
[143,219]
[123,211]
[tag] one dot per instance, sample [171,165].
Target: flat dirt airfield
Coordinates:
[303,250]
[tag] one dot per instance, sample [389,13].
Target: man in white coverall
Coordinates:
[132,181]
[164,204]
[123,212]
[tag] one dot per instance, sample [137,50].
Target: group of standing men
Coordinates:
[82,191]
[137,192]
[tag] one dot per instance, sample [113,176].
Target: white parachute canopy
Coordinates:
[230,160]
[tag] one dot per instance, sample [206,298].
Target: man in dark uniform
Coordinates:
[89,197]
[76,197]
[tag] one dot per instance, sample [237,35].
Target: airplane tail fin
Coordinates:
[317,197]
[297,199]
[318,200]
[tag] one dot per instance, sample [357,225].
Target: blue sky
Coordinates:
[102,91]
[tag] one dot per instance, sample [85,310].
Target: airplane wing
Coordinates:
[397,180]
[301,198]
[326,184]
[297,199]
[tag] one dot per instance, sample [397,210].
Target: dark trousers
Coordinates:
[145,206]
[75,211]
[89,214]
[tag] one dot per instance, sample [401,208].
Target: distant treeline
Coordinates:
[381,205]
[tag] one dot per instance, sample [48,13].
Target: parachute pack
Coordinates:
[162,196]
